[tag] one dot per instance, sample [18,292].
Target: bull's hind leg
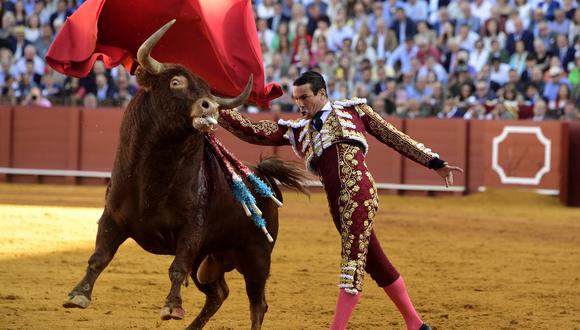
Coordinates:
[109,238]
[215,294]
[255,267]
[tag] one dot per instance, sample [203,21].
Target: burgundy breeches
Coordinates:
[353,203]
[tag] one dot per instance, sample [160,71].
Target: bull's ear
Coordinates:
[144,79]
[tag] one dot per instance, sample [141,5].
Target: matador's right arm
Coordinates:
[264,132]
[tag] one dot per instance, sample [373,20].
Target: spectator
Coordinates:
[416,10]
[403,55]
[338,32]
[483,95]
[519,57]
[553,85]
[19,13]
[32,29]
[574,33]
[424,49]
[497,51]
[432,66]
[560,25]
[492,32]
[20,43]
[539,111]
[60,15]
[467,18]
[571,112]
[549,8]
[479,56]
[467,38]
[35,98]
[565,53]
[519,34]
[556,107]
[265,10]
[90,101]
[384,40]
[30,56]
[278,17]
[498,74]
[439,25]
[403,26]
[481,9]
[525,11]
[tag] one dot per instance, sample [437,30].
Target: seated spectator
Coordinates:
[571,112]
[519,57]
[467,18]
[481,9]
[549,8]
[30,56]
[539,111]
[498,52]
[416,10]
[553,85]
[561,24]
[565,53]
[424,49]
[338,32]
[483,95]
[426,33]
[403,26]
[419,91]
[403,55]
[511,100]
[500,111]
[498,73]
[492,32]
[574,32]
[32,29]
[35,98]
[362,51]
[556,107]
[44,41]
[479,56]
[519,34]
[432,66]
[526,75]
[384,40]
[90,101]
[462,102]
[105,92]
[467,38]
[525,12]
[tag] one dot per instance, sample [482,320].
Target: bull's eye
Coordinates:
[175,83]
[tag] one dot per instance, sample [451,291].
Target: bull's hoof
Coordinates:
[175,312]
[78,301]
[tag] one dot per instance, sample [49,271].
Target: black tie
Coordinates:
[316,121]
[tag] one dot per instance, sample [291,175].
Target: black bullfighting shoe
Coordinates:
[425,326]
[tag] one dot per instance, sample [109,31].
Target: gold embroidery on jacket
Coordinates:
[400,141]
[263,128]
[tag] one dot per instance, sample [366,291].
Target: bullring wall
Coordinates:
[77,146]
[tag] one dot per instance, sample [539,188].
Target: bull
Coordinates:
[168,193]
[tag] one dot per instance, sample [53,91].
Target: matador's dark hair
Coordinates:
[313,78]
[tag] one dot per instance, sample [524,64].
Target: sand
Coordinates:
[498,260]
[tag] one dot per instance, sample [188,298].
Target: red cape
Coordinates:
[215,39]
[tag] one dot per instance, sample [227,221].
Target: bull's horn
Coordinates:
[144,53]
[230,103]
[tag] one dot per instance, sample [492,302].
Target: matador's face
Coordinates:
[308,103]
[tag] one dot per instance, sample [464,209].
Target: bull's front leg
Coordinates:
[187,251]
[109,238]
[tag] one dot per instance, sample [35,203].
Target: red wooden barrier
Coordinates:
[77,141]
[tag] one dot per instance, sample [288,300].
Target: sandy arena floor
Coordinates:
[499,260]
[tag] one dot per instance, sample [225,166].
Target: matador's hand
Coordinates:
[446,172]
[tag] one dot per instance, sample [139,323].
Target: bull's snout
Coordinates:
[204,114]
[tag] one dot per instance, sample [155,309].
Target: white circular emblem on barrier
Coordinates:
[521,130]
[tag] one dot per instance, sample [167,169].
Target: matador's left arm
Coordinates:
[401,142]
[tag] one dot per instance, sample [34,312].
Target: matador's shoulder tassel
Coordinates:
[242,194]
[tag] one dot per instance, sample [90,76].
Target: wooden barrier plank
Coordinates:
[571,186]
[517,157]
[448,138]
[474,172]
[99,138]
[385,163]
[40,139]
[5,139]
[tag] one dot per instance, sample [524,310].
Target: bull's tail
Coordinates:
[288,173]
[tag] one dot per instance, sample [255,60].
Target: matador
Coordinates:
[331,138]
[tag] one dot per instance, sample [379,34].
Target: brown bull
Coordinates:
[169,194]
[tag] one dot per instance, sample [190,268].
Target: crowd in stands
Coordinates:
[483,59]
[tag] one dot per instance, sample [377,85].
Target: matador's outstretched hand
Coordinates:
[446,172]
